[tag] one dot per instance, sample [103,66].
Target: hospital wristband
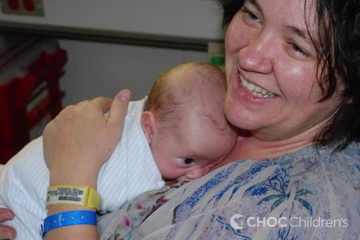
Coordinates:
[73,195]
[80,217]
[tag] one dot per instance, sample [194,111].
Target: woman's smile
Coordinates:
[254,89]
[251,92]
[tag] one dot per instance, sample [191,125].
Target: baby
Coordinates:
[179,132]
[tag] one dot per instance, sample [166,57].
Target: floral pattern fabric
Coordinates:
[310,194]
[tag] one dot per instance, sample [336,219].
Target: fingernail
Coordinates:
[125,95]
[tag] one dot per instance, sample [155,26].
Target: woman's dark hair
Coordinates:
[338,51]
[230,8]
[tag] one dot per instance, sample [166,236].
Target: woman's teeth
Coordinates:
[255,90]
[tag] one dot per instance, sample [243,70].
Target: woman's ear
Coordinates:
[148,124]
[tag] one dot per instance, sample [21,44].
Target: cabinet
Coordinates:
[30,96]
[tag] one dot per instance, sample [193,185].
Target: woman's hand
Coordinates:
[76,144]
[5,231]
[80,139]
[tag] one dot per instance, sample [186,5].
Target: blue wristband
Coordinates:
[81,217]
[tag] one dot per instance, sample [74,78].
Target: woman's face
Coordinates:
[271,69]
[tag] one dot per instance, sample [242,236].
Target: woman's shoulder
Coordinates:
[314,186]
[309,194]
[322,161]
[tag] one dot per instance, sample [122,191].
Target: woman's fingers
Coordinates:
[80,139]
[5,231]
[102,103]
[5,214]
[118,109]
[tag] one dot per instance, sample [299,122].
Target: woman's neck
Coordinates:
[250,147]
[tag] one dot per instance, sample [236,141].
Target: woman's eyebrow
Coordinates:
[256,5]
[301,33]
[254,2]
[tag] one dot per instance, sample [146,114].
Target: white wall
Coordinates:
[193,19]
[95,69]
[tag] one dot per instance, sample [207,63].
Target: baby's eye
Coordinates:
[188,161]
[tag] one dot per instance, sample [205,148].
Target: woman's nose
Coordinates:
[258,54]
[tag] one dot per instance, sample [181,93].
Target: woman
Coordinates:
[293,83]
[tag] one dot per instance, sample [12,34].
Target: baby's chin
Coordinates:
[182,179]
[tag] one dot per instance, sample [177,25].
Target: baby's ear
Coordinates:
[148,124]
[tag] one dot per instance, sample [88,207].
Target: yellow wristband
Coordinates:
[73,195]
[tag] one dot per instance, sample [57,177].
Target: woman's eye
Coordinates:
[249,15]
[188,161]
[297,49]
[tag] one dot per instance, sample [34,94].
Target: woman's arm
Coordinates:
[76,144]
[5,231]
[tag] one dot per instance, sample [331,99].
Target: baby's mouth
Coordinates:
[255,90]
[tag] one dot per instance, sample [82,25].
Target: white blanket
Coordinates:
[2,167]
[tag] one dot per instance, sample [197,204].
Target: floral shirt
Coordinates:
[310,194]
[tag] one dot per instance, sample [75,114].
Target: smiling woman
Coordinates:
[274,55]
[293,77]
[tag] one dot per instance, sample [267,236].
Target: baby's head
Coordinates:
[184,121]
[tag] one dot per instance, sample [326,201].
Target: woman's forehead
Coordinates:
[298,16]
[294,11]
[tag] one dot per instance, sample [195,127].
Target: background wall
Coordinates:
[96,34]
[95,69]
[195,20]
